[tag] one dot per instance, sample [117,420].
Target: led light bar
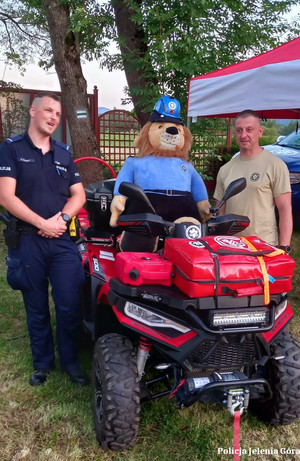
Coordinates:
[232,318]
[148,317]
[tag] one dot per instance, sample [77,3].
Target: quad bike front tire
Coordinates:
[284,377]
[116,389]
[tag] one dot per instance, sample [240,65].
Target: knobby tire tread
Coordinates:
[284,407]
[115,364]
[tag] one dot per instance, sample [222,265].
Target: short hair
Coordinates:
[44,94]
[247,113]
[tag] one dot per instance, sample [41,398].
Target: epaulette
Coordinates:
[14,138]
[61,144]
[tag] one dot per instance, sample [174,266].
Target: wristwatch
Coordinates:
[286,248]
[66,218]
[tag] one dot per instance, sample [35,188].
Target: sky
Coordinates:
[110,84]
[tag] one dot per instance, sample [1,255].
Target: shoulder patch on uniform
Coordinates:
[14,138]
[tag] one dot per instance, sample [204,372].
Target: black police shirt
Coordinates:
[43,180]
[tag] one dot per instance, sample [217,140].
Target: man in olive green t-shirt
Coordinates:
[268,184]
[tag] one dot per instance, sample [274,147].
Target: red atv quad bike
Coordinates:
[206,316]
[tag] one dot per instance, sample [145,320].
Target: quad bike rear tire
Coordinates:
[116,389]
[284,376]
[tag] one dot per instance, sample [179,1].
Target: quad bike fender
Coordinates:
[280,323]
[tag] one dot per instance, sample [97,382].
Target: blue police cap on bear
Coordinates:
[166,109]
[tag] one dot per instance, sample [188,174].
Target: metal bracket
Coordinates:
[237,406]
[237,399]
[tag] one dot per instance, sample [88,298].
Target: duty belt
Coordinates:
[27,229]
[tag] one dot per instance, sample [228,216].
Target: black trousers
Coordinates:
[30,268]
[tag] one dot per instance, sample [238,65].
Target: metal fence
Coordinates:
[118,129]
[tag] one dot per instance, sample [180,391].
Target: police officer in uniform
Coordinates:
[37,174]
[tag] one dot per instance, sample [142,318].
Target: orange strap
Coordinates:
[264,271]
[276,253]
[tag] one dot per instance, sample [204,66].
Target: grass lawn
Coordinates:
[54,422]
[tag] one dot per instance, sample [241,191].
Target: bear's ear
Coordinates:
[137,140]
[187,140]
[143,134]
[141,141]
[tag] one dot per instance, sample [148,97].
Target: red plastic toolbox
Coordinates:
[220,265]
[143,269]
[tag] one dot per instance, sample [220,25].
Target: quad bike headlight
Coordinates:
[236,318]
[148,317]
[279,310]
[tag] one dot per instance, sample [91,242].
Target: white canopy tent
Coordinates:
[268,83]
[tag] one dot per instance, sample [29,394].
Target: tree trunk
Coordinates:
[133,46]
[66,53]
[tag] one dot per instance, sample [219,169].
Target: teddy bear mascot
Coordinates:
[162,169]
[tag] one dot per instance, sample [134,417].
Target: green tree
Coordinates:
[54,17]
[14,114]
[180,38]
[20,38]
[162,44]
[287,129]
[271,129]
[66,55]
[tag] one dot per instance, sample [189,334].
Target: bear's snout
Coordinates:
[172,130]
